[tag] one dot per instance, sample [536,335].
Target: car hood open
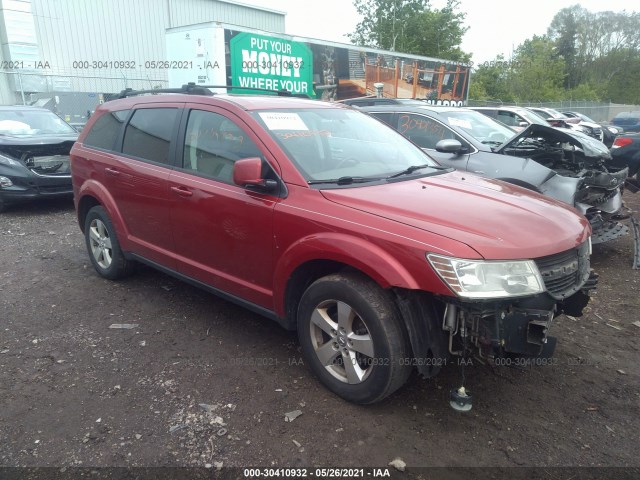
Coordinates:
[591,147]
[506,221]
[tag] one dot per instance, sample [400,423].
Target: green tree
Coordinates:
[537,73]
[490,81]
[411,26]
[601,50]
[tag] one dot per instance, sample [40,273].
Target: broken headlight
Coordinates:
[488,279]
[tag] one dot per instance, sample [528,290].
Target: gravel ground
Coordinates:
[202,382]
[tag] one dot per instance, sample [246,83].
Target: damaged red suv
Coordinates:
[329,222]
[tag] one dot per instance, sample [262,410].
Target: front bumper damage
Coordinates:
[519,328]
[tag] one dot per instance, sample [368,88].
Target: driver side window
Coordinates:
[424,131]
[212,145]
[508,118]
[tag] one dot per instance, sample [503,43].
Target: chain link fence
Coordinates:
[598,111]
[73,97]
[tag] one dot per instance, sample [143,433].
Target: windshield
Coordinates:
[584,118]
[533,117]
[336,143]
[555,113]
[479,126]
[32,122]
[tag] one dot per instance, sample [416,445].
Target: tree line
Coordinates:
[584,55]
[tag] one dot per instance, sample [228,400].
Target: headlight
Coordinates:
[5,182]
[488,279]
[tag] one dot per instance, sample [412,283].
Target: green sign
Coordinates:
[258,61]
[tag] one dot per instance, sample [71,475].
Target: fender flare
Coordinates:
[91,188]
[371,259]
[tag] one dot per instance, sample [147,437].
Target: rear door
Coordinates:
[137,179]
[223,233]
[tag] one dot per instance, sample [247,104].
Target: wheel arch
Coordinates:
[315,257]
[92,194]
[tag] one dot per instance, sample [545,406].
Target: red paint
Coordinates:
[248,243]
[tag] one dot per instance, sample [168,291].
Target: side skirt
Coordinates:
[271,315]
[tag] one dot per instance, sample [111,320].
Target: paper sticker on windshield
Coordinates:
[283,121]
[456,122]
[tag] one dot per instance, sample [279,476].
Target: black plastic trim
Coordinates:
[271,315]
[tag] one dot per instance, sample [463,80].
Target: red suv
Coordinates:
[324,219]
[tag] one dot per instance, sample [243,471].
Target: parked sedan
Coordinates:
[554,117]
[629,121]
[625,152]
[564,164]
[34,155]
[609,132]
[517,118]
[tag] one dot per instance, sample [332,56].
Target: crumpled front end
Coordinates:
[32,171]
[520,327]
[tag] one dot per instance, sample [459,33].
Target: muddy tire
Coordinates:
[353,338]
[103,246]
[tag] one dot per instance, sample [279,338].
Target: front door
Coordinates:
[223,234]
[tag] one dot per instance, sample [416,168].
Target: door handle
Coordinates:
[183,192]
[112,171]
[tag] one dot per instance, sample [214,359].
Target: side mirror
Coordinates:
[450,146]
[247,173]
[523,124]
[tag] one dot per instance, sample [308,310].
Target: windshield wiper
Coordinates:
[344,180]
[413,168]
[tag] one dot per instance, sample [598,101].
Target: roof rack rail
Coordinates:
[192,89]
[189,88]
[280,93]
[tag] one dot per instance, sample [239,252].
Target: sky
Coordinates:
[495,26]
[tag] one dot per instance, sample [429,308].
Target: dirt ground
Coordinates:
[202,382]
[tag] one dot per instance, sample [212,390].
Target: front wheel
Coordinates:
[353,338]
[103,246]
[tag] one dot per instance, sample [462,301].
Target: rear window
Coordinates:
[148,134]
[105,131]
[628,115]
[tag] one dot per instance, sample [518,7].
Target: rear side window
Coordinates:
[105,131]
[148,134]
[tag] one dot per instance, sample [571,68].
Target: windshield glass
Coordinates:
[34,122]
[333,143]
[479,126]
[533,117]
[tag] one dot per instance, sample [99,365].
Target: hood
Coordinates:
[498,220]
[42,139]
[591,147]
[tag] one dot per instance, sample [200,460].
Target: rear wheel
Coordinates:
[353,338]
[103,246]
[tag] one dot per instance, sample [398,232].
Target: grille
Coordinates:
[565,273]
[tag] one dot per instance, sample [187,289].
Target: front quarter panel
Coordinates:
[309,228]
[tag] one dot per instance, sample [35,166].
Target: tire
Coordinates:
[103,246]
[333,312]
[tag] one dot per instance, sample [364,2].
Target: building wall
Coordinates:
[130,30]
[73,34]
